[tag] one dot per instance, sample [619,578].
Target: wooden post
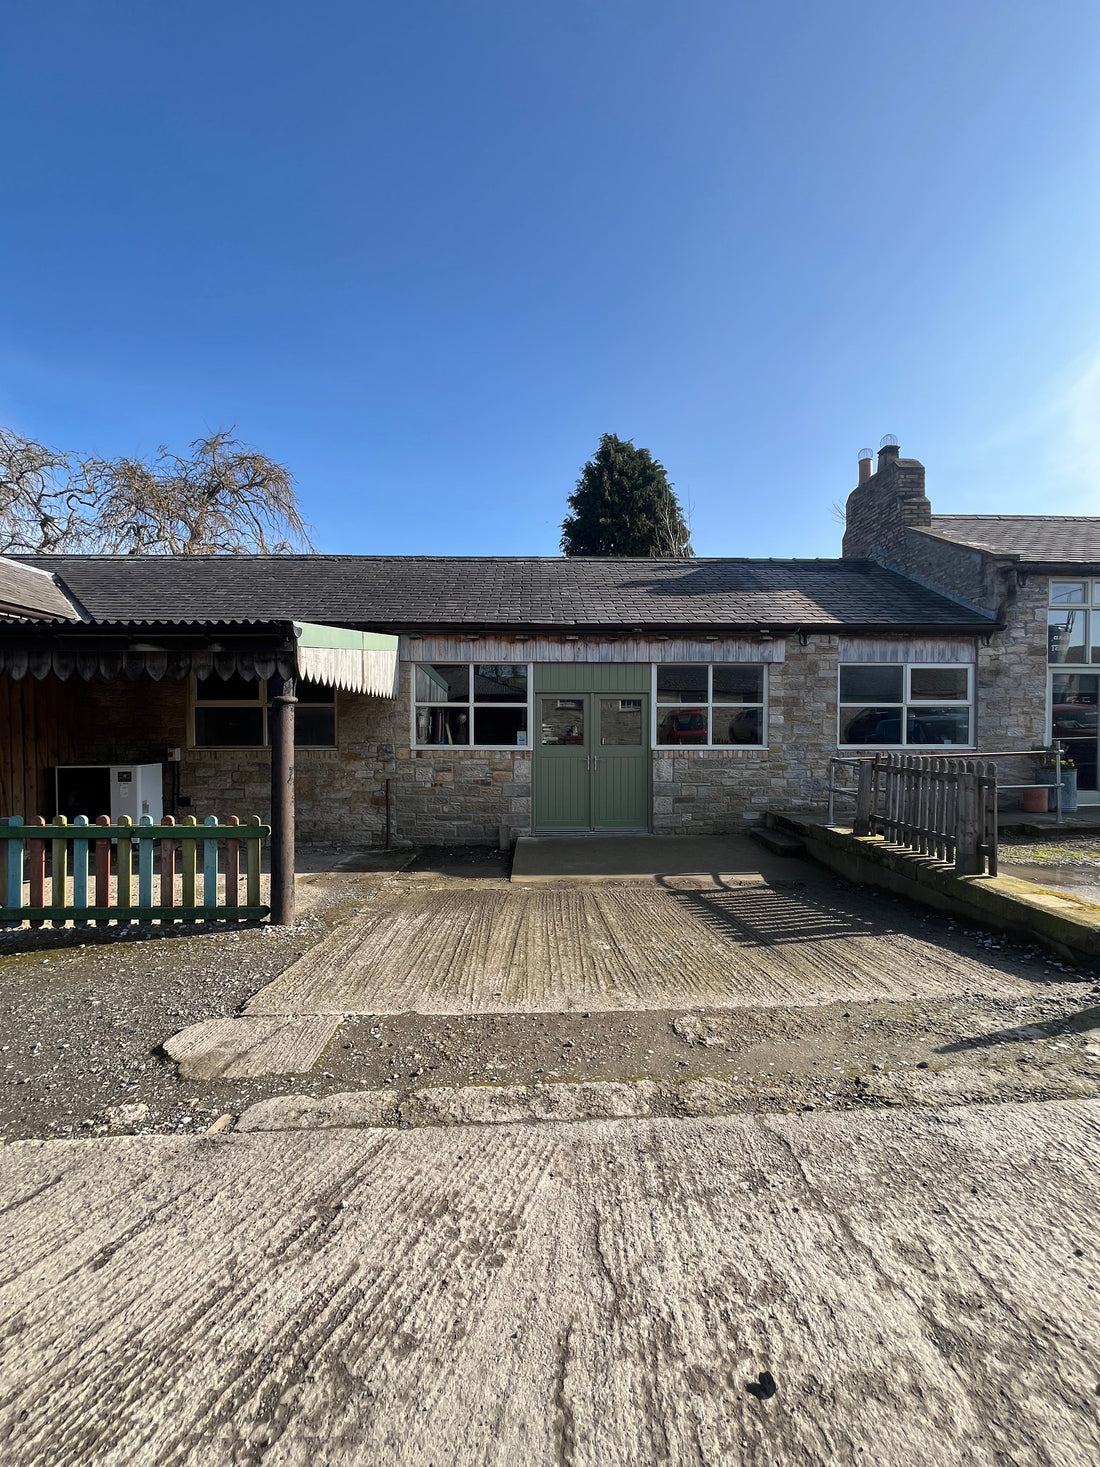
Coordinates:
[967,860]
[281,733]
[861,825]
[36,870]
[188,853]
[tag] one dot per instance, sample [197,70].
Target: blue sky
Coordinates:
[425,254]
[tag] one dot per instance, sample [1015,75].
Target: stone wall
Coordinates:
[452,795]
[972,576]
[447,795]
[706,791]
[1012,676]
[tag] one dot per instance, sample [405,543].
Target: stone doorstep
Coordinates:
[245,1048]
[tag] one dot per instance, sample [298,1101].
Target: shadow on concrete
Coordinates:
[1081,1023]
[770,914]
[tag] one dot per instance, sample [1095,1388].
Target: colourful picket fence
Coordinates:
[92,876]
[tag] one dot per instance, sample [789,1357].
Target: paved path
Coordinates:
[922,1288]
[559,948]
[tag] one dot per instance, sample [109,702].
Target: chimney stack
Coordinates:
[885,504]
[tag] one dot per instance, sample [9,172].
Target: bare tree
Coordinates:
[222,497]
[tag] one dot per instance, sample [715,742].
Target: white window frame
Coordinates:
[1089,608]
[470,705]
[655,720]
[908,703]
[194,702]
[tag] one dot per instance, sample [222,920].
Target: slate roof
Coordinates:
[31,591]
[394,592]
[1043,539]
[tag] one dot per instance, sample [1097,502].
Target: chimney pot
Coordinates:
[865,457]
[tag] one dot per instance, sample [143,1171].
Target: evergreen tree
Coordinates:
[624,505]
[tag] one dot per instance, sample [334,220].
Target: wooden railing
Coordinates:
[944,808]
[86,886]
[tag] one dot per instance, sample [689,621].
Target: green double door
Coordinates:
[591,761]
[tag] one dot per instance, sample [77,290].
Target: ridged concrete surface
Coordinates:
[553,949]
[922,1288]
[231,1049]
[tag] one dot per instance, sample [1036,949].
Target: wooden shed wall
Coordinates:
[38,727]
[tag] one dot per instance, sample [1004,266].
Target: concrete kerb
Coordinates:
[1058,922]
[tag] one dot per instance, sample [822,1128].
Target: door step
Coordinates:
[777,841]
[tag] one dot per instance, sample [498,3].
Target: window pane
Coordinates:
[562,720]
[620,722]
[1074,698]
[316,693]
[738,684]
[682,726]
[938,684]
[500,683]
[442,682]
[737,725]
[500,726]
[235,689]
[442,726]
[1066,636]
[229,727]
[939,726]
[676,684]
[1067,593]
[315,727]
[870,726]
[860,683]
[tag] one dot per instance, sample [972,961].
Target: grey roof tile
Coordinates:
[381,591]
[32,591]
[1046,538]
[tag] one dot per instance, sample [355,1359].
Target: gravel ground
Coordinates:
[81,1024]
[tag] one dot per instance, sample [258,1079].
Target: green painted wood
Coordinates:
[124,868]
[131,914]
[621,764]
[592,677]
[602,781]
[59,856]
[22,831]
[252,862]
[560,774]
[210,868]
[14,830]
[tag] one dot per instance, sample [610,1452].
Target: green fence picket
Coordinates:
[80,871]
[71,849]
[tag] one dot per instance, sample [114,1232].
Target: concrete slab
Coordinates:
[647,857]
[920,1287]
[562,947]
[234,1049]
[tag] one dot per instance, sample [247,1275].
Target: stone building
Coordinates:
[468,696]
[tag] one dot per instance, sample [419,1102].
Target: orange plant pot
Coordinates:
[1036,802]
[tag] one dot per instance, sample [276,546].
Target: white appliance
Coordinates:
[110,789]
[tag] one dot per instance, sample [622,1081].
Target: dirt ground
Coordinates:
[82,1019]
[1071,864]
